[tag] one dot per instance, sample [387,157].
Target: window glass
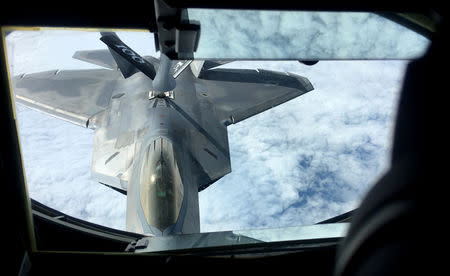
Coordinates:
[304,161]
[251,34]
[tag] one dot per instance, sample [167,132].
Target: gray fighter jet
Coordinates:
[160,126]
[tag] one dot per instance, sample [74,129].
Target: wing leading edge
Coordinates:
[241,93]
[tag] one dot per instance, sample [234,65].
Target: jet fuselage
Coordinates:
[156,134]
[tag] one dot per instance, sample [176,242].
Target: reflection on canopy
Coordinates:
[257,34]
[161,189]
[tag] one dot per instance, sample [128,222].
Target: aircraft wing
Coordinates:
[72,95]
[241,93]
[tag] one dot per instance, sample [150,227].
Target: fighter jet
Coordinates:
[160,125]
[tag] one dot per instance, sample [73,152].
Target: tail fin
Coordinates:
[128,61]
[197,66]
[126,68]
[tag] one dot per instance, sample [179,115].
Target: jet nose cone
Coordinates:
[161,189]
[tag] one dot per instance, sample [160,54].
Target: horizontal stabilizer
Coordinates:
[101,58]
[209,64]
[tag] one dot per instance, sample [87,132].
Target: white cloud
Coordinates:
[57,159]
[313,157]
[301,162]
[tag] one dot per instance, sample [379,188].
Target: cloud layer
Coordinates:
[313,157]
[299,163]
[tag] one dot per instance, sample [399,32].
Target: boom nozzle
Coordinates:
[164,80]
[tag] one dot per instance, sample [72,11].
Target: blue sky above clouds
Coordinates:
[309,159]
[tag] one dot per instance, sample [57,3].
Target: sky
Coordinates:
[304,161]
